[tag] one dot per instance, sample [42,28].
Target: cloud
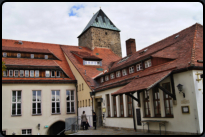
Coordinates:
[63,22]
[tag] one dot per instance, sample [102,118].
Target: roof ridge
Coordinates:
[194,45]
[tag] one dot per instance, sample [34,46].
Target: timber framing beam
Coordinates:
[166,91]
[136,99]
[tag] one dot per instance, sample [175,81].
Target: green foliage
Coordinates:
[3,67]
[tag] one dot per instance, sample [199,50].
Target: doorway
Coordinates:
[56,128]
[99,113]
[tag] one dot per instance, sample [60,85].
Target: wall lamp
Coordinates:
[180,87]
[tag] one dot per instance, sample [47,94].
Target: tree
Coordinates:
[3,67]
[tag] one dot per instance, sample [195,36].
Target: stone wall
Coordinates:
[97,37]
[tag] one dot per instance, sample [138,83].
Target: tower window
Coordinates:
[105,33]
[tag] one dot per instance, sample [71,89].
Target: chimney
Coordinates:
[130,46]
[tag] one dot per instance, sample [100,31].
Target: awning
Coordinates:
[143,83]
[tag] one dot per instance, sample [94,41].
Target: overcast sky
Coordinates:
[62,23]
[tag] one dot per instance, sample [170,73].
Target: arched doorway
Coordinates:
[56,128]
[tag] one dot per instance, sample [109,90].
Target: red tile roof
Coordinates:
[91,71]
[55,49]
[85,55]
[142,83]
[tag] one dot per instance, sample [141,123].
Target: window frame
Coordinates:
[55,102]
[121,108]
[15,73]
[114,106]
[25,73]
[107,78]
[70,101]
[52,74]
[118,74]
[36,73]
[10,73]
[101,79]
[32,56]
[5,73]
[129,106]
[131,69]
[148,63]
[139,66]
[16,102]
[49,74]
[21,73]
[36,102]
[18,55]
[156,99]
[57,73]
[112,75]
[146,101]
[4,54]
[26,132]
[124,72]
[170,101]
[31,73]
[45,56]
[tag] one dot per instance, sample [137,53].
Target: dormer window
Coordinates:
[148,63]
[47,73]
[57,73]
[36,73]
[112,76]
[96,63]
[118,74]
[31,73]
[101,80]
[4,54]
[46,56]
[5,73]
[124,72]
[131,69]
[10,73]
[32,56]
[16,72]
[18,55]
[52,73]
[139,67]
[106,78]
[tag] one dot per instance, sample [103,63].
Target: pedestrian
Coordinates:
[87,125]
[83,119]
[94,120]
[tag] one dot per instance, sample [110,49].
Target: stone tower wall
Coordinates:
[97,37]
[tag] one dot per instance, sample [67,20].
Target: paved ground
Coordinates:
[109,131]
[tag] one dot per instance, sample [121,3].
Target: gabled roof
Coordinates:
[37,46]
[100,20]
[88,72]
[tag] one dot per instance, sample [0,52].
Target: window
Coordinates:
[80,104]
[57,73]
[70,98]
[10,73]
[156,101]
[82,86]
[86,103]
[5,73]
[31,73]
[26,73]
[106,78]
[36,102]
[21,73]
[47,73]
[32,56]
[101,79]
[92,62]
[131,69]
[148,63]
[121,106]
[46,56]
[16,102]
[83,103]
[52,73]
[16,72]
[89,102]
[146,104]
[124,72]
[4,54]
[112,76]
[79,87]
[168,100]
[55,101]
[26,132]
[118,74]
[36,73]
[114,106]
[18,55]
[139,67]
[108,105]
[129,102]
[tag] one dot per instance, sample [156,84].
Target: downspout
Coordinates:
[76,86]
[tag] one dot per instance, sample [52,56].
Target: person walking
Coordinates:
[83,119]
[94,120]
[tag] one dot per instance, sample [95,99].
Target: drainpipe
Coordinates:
[76,86]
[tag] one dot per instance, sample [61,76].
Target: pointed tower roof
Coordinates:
[100,20]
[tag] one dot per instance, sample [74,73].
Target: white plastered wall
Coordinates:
[26,120]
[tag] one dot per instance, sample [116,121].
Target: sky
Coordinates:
[62,22]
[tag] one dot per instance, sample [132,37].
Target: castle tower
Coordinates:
[101,32]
